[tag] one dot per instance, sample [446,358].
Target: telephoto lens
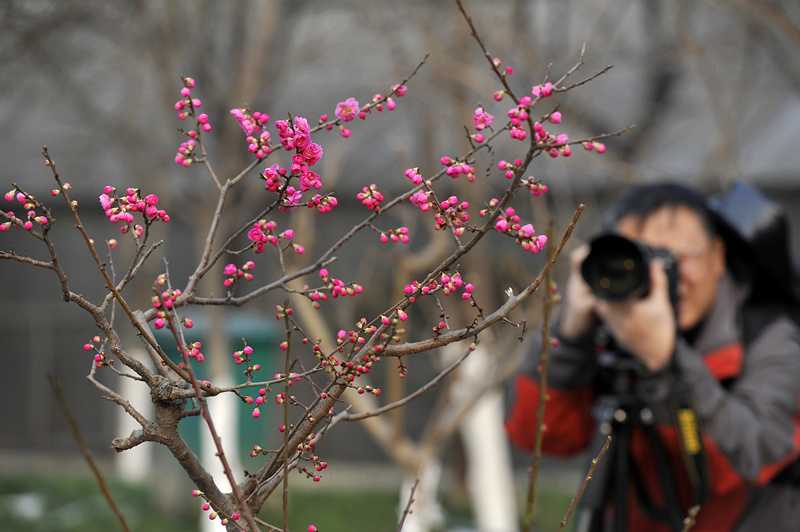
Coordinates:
[617,268]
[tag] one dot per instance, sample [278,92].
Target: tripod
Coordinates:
[619,411]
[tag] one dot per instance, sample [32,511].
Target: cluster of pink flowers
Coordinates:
[422,199]
[535,187]
[558,143]
[347,110]
[120,209]
[295,136]
[508,168]
[395,235]
[542,91]
[94,346]
[242,356]
[264,232]
[413,175]
[193,351]
[31,216]
[234,273]
[447,284]
[164,302]
[319,467]
[273,177]
[455,168]
[509,222]
[455,211]
[292,197]
[322,203]
[370,197]
[387,321]
[350,369]
[259,399]
[517,116]
[481,119]
[529,240]
[254,126]
[185,154]
[344,337]
[450,284]
[336,288]
[597,147]
[235,516]
[187,107]
[379,100]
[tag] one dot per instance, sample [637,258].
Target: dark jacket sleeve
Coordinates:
[754,423]
[567,416]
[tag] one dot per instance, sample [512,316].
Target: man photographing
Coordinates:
[702,407]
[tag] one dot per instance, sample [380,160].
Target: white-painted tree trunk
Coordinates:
[489,473]
[426,512]
[490,478]
[134,465]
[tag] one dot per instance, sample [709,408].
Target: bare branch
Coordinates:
[136,437]
[10,255]
[430,384]
[582,488]
[114,397]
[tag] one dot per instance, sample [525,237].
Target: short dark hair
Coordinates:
[642,200]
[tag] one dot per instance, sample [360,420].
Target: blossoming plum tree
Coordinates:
[284,154]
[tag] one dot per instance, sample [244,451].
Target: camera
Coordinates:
[618,269]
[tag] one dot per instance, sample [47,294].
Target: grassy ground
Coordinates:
[74,504]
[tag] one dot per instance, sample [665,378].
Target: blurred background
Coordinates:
[712,88]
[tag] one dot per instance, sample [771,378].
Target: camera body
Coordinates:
[618,268]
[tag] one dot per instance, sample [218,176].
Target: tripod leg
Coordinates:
[621,476]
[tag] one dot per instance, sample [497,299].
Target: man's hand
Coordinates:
[579,303]
[644,327]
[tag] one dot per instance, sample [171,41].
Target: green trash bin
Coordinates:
[262,336]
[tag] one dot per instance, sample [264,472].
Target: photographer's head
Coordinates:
[677,218]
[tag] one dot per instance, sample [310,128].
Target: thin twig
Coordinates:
[584,81]
[691,517]
[271,528]
[582,488]
[408,506]
[286,418]
[132,271]
[84,448]
[397,404]
[10,255]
